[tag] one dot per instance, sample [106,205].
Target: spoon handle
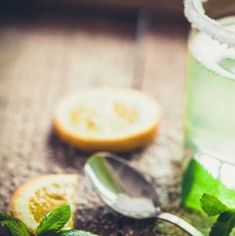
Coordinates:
[180,223]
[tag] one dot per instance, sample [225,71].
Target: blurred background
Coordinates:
[51,48]
[169,7]
[120,33]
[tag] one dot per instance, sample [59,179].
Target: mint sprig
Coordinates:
[226,219]
[54,221]
[14,226]
[52,224]
[211,205]
[224,224]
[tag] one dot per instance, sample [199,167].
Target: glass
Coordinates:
[210,102]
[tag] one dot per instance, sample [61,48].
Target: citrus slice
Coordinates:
[105,119]
[38,196]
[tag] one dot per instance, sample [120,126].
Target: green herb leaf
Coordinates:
[74,232]
[54,221]
[4,216]
[16,227]
[211,205]
[224,224]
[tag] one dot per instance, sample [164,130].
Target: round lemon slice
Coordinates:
[38,196]
[105,119]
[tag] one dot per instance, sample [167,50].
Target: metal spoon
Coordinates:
[126,191]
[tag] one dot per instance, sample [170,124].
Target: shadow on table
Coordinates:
[70,157]
[105,222]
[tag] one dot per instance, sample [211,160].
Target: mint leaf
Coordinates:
[211,205]
[224,224]
[54,221]
[4,216]
[74,232]
[16,227]
[226,220]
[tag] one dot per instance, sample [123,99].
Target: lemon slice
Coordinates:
[40,195]
[105,119]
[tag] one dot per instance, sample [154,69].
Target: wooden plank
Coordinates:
[164,79]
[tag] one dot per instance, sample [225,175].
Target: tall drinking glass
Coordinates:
[210,102]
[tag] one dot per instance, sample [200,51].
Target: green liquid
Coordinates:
[210,121]
[198,180]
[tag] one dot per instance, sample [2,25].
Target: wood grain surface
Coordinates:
[43,60]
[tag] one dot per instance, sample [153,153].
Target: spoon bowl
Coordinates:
[125,190]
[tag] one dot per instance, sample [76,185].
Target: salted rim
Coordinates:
[195,13]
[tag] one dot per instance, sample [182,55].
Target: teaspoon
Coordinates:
[126,191]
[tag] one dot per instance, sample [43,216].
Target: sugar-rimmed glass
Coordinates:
[210,102]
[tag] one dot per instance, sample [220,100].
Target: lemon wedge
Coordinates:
[38,196]
[104,119]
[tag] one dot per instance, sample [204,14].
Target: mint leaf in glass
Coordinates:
[226,220]
[211,205]
[224,224]
[54,221]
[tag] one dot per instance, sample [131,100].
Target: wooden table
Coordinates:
[44,59]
